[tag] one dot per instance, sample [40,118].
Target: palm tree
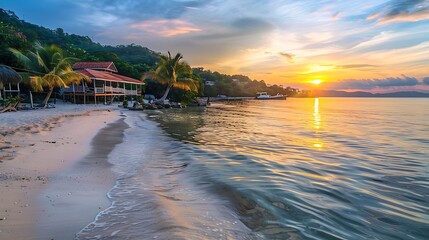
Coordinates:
[52,68]
[174,73]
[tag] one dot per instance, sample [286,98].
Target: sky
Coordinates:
[377,45]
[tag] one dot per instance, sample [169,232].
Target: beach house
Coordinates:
[106,84]
[9,82]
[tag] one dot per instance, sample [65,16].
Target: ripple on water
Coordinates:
[295,169]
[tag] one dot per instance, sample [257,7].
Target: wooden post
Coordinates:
[31,100]
[104,89]
[95,93]
[10,91]
[74,94]
[84,92]
[18,90]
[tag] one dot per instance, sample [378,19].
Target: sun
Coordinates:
[316,81]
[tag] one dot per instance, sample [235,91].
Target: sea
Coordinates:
[310,168]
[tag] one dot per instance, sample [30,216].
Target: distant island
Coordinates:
[402,94]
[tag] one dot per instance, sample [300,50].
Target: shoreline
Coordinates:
[57,166]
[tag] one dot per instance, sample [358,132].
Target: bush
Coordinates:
[188,97]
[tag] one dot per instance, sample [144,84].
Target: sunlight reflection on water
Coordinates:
[346,168]
[297,169]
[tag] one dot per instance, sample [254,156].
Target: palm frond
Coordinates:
[36,83]
[52,80]
[191,83]
[74,77]
[21,57]
[173,71]
[37,45]
[42,63]
[50,61]
[181,85]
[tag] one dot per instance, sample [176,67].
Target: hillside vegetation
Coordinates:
[131,60]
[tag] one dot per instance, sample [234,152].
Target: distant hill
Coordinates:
[333,93]
[131,60]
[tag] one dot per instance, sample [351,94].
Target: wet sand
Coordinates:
[53,181]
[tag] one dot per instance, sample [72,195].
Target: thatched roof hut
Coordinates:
[8,75]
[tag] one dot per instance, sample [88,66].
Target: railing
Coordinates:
[99,90]
[106,89]
[110,89]
[76,89]
[130,92]
[118,90]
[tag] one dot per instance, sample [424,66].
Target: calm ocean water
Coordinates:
[328,168]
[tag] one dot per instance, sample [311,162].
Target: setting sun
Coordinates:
[316,81]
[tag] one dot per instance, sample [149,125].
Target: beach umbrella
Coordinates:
[8,75]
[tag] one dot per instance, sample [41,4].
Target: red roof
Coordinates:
[108,66]
[108,76]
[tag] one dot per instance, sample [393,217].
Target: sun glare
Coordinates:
[316,81]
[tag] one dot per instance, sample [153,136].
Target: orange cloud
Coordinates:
[166,27]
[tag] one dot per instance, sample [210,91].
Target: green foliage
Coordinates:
[11,101]
[173,72]
[131,60]
[11,38]
[188,97]
[238,85]
[50,67]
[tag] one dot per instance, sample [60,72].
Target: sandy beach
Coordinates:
[54,175]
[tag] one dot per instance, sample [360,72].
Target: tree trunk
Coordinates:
[45,102]
[165,94]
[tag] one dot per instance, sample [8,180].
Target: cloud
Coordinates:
[216,34]
[368,84]
[239,32]
[288,56]
[252,24]
[166,27]
[356,66]
[143,10]
[426,81]
[402,11]
[335,16]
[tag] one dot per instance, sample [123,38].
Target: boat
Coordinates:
[265,96]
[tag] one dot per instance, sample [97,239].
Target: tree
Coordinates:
[173,73]
[50,67]
[11,37]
